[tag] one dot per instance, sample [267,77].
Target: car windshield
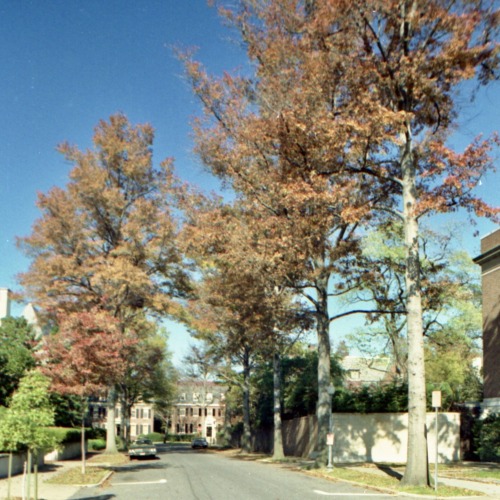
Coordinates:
[143,441]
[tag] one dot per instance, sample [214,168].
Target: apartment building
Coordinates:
[141,418]
[199,409]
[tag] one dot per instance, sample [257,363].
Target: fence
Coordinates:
[374,437]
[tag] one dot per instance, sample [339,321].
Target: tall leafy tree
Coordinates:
[362,92]
[27,418]
[108,239]
[85,356]
[241,288]
[308,219]
[17,344]
[147,373]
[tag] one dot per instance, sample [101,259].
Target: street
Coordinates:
[182,473]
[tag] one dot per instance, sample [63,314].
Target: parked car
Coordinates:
[142,447]
[199,443]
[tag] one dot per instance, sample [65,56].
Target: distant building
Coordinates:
[4,303]
[29,312]
[199,409]
[141,418]
[489,260]
[361,371]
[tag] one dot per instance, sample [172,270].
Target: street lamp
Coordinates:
[331,392]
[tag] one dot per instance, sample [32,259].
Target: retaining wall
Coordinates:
[374,437]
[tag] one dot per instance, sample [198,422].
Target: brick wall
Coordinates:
[489,261]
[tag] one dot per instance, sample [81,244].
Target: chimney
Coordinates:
[4,302]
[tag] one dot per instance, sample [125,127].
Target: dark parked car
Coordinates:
[142,447]
[199,443]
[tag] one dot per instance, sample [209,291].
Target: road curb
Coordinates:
[105,478]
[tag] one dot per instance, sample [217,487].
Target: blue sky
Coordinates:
[64,65]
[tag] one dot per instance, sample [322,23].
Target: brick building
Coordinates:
[489,260]
[199,409]
[141,418]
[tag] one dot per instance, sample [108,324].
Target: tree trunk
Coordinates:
[246,445]
[35,468]
[110,423]
[416,473]
[9,480]
[28,485]
[323,408]
[82,443]
[278,453]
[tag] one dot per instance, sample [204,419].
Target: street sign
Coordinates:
[329,438]
[436,399]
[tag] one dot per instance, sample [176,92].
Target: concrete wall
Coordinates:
[68,451]
[375,437]
[18,460]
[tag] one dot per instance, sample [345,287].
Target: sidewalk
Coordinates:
[491,489]
[46,491]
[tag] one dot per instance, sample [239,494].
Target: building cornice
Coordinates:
[487,256]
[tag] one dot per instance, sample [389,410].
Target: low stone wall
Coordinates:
[18,460]
[66,452]
[374,437]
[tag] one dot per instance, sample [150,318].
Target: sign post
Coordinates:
[330,436]
[436,404]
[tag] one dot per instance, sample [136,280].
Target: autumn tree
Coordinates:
[308,220]
[363,91]
[86,355]
[252,316]
[108,239]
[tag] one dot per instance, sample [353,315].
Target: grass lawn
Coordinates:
[108,458]
[93,475]
[481,471]
[380,480]
[93,472]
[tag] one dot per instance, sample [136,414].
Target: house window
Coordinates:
[196,397]
[182,397]
[190,428]
[206,412]
[182,412]
[178,428]
[191,411]
[213,412]
[220,412]
[199,412]
[210,397]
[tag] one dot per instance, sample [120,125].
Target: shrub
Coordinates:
[154,436]
[95,433]
[96,444]
[65,435]
[488,432]
[182,438]
[121,444]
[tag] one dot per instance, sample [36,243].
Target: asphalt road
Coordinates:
[185,474]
